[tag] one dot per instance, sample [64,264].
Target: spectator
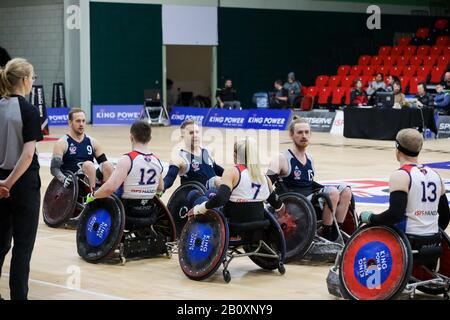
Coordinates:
[390,83]
[280,99]
[358,97]
[4,57]
[422,96]
[446,81]
[399,97]
[377,85]
[294,88]
[227,97]
[442,99]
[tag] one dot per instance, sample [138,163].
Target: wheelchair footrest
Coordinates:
[333,284]
[144,246]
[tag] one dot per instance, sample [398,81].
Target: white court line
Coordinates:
[92,293]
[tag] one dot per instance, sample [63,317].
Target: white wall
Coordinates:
[34,30]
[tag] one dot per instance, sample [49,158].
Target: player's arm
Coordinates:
[398,200]
[59,149]
[278,166]
[176,166]
[273,198]
[100,156]
[443,209]
[115,181]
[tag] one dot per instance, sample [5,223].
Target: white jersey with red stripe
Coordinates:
[421,217]
[248,190]
[143,178]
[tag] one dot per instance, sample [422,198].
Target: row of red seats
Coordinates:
[423,33]
[367,60]
[338,95]
[398,50]
[424,72]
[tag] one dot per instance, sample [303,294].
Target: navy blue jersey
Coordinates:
[77,153]
[298,176]
[199,169]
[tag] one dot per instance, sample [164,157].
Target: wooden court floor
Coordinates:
[57,272]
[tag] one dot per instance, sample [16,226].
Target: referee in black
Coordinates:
[19,172]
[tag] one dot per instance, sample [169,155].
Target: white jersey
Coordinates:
[421,217]
[248,190]
[143,178]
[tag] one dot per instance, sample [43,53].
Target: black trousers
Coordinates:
[19,217]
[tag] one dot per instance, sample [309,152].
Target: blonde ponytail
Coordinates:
[247,153]
[11,75]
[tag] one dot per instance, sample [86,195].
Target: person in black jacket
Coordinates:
[20,197]
[422,96]
[4,57]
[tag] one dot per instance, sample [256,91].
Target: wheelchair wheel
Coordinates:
[351,219]
[59,202]
[298,223]
[376,264]
[274,238]
[444,269]
[203,245]
[164,224]
[178,204]
[100,229]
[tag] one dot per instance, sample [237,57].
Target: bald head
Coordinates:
[410,139]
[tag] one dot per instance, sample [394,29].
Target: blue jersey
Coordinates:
[77,153]
[298,176]
[199,169]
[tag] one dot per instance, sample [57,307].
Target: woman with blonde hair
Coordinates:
[243,189]
[20,183]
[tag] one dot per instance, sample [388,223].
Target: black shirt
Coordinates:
[425,99]
[227,94]
[19,123]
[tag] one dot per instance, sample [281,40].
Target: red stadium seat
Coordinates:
[343,70]
[409,71]
[348,92]
[364,60]
[369,71]
[307,103]
[304,90]
[423,50]
[402,60]
[348,81]
[384,70]
[335,81]
[410,50]
[312,91]
[442,41]
[403,41]
[436,74]
[423,72]
[324,94]
[338,96]
[356,70]
[429,60]
[422,33]
[416,61]
[396,71]
[384,51]
[377,60]
[413,85]
[322,81]
[389,60]
[441,24]
[443,61]
[435,51]
[446,51]
[365,80]
[404,81]
[397,51]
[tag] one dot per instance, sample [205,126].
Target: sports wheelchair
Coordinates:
[380,262]
[301,224]
[178,204]
[209,240]
[105,231]
[62,206]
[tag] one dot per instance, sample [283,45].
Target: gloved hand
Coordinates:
[281,210]
[68,182]
[364,217]
[90,197]
[200,209]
